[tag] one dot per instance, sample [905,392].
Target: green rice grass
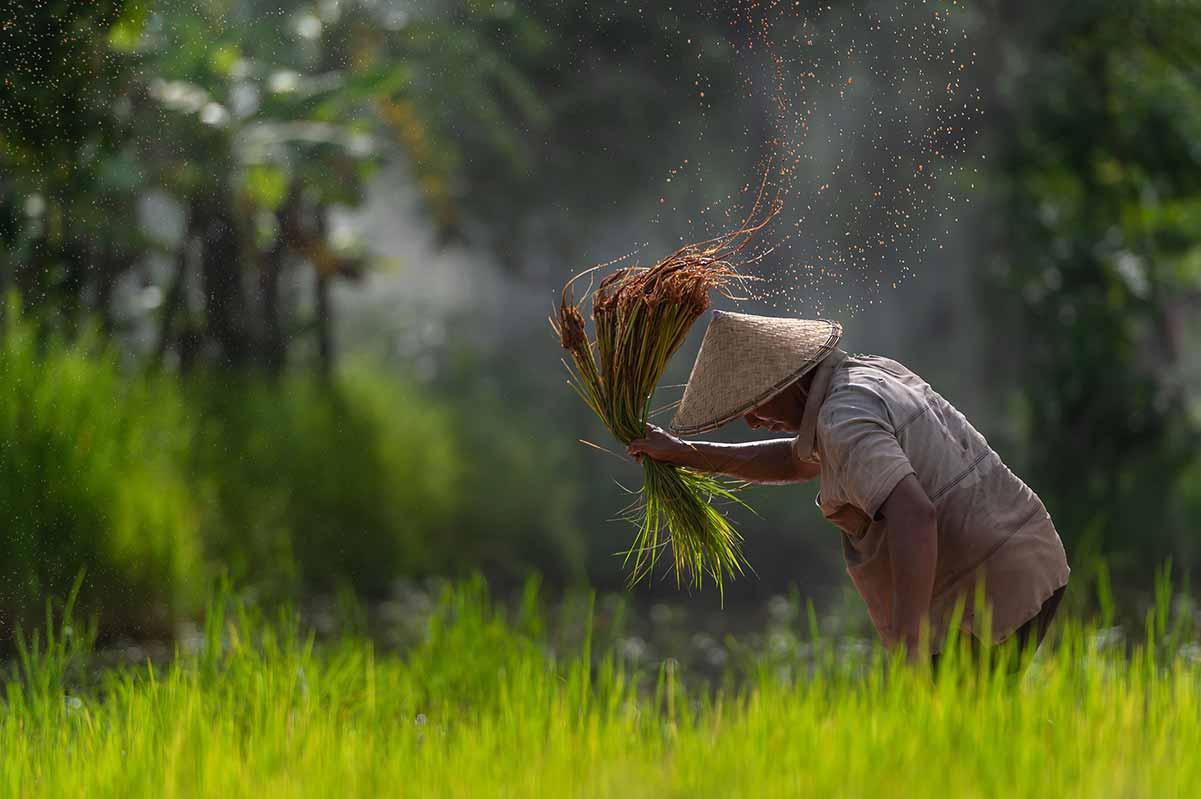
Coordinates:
[482,707]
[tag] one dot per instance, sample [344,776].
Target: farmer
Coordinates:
[928,512]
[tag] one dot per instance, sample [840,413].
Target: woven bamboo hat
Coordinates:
[745,361]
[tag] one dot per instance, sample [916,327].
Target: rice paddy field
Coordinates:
[491,702]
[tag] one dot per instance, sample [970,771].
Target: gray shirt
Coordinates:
[997,548]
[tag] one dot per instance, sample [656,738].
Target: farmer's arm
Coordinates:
[861,446]
[755,462]
[913,546]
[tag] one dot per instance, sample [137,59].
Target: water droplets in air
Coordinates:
[862,120]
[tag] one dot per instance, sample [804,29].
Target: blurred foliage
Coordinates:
[317,484]
[180,166]
[253,120]
[155,485]
[92,477]
[1101,173]
[522,506]
[177,166]
[597,97]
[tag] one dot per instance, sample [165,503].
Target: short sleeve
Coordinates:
[860,447]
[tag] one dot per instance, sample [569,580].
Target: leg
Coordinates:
[1035,629]
[1029,637]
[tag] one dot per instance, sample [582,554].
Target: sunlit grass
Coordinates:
[482,707]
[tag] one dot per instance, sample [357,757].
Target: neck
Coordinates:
[800,397]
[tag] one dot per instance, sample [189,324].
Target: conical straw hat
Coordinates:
[746,360]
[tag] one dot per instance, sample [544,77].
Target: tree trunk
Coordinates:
[325,336]
[112,262]
[221,277]
[274,345]
[28,276]
[173,301]
[325,309]
[78,257]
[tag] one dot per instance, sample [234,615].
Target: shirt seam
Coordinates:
[959,479]
[920,413]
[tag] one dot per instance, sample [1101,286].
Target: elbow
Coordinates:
[926,516]
[804,471]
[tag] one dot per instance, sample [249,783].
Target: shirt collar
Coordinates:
[806,441]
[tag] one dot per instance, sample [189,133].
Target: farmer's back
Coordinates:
[879,423]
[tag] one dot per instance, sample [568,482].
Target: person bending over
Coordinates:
[927,510]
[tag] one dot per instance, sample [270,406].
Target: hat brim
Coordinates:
[704,408]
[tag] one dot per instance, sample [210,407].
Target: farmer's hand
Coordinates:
[661,446]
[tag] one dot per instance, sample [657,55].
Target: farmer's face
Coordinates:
[780,414]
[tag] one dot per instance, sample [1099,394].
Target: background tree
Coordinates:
[1101,185]
[181,172]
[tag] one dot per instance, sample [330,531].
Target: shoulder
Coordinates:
[877,367]
[853,398]
[863,382]
[880,382]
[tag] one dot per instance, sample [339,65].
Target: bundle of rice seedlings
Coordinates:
[640,317]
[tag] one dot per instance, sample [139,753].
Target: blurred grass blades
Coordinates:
[255,709]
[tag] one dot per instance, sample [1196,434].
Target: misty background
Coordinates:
[279,272]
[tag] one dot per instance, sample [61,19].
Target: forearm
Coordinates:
[755,462]
[913,546]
